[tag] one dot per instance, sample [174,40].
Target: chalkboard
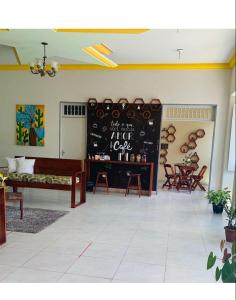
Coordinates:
[114,128]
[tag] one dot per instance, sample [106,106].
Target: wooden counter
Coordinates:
[2,218]
[118,169]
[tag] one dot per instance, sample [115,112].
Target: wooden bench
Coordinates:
[57,167]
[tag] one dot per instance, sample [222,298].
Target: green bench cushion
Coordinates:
[42,178]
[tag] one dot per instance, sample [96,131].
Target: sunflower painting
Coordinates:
[30,125]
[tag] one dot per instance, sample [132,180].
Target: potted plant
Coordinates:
[2,181]
[227,270]
[187,159]
[218,199]
[230,229]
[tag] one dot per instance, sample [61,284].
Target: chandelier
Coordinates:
[39,66]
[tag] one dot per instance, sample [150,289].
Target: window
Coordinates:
[74,110]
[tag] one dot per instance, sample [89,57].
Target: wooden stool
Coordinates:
[16,197]
[101,175]
[134,187]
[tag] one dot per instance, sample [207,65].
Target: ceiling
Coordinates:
[155,46]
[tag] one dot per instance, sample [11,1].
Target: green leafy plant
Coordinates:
[227,271]
[231,216]
[187,159]
[219,197]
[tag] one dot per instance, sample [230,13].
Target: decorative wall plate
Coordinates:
[100,113]
[200,133]
[192,145]
[171,129]
[139,103]
[164,133]
[124,102]
[163,160]
[92,103]
[192,136]
[107,104]
[146,114]
[163,152]
[195,158]
[170,138]
[155,104]
[184,148]
[115,114]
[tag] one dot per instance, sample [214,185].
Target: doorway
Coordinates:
[184,121]
[73,130]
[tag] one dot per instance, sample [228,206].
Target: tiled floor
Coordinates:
[112,238]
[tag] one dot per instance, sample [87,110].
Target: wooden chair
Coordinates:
[101,181]
[197,179]
[170,175]
[16,197]
[137,187]
[184,178]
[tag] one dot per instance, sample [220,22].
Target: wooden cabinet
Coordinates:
[2,218]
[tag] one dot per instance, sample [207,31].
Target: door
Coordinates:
[73,130]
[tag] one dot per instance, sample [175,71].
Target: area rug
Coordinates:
[35,219]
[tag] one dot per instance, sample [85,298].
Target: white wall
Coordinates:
[228,176]
[171,86]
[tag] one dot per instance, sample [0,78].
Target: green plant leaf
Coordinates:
[228,273]
[211,260]
[217,274]
[234,248]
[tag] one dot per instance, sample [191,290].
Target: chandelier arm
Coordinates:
[33,71]
[51,73]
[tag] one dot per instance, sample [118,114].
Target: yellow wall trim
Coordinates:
[103,30]
[68,67]
[232,61]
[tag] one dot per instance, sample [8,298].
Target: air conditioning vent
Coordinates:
[188,112]
[74,110]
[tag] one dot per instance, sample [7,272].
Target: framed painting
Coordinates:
[30,125]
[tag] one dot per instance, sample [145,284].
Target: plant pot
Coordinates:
[230,234]
[217,209]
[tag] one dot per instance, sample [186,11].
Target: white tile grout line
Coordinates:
[167,250]
[125,252]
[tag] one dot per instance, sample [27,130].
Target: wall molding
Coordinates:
[232,61]
[78,67]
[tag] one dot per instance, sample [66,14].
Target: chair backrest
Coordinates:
[185,170]
[169,170]
[202,171]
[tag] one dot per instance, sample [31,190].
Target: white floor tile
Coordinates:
[98,249]
[5,270]
[139,272]
[23,275]
[147,255]
[15,256]
[51,261]
[188,275]
[71,278]
[94,266]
